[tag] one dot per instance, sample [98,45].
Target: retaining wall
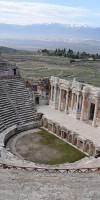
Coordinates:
[83,144]
[5,135]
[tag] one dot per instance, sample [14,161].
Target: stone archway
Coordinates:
[81,145]
[64,134]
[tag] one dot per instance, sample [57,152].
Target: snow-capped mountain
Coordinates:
[79,37]
[55,30]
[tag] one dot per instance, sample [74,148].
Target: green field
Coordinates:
[45,148]
[34,66]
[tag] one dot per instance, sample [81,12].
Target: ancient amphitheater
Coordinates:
[73,114]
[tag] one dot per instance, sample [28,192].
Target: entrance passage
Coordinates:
[92,111]
[37,100]
[14,71]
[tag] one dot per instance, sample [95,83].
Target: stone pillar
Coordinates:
[84,146]
[82,110]
[51,92]
[43,122]
[66,105]
[72,138]
[91,148]
[55,92]
[78,142]
[95,113]
[72,101]
[53,127]
[59,99]
[61,134]
[77,103]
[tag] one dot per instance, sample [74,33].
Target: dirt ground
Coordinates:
[44,148]
[30,148]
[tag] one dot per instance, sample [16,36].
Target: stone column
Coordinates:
[84,146]
[59,99]
[77,103]
[78,142]
[72,101]
[91,148]
[66,105]
[95,113]
[51,92]
[55,92]
[61,134]
[82,110]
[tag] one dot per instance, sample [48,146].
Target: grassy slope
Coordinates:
[34,66]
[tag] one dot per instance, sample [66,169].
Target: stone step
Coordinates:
[14,102]
[20,184]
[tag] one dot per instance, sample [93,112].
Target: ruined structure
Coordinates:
[21,179]
[18,97]
[7,69]
[82,101]
[41,92]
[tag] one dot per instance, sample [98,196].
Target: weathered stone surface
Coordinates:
[25,185]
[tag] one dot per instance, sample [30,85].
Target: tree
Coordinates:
[70,53]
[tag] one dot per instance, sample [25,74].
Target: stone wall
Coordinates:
[42,92]
[8,69]
[71,137]
[6,134]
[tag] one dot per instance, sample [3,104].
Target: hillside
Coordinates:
[7,49]
[33,66]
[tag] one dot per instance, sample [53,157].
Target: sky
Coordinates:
[74,12]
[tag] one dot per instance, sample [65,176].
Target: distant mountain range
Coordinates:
[47,34]
[49,31]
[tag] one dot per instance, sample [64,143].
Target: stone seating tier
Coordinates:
[2,126]
[15,105]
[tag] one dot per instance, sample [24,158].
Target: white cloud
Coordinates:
[30,13]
